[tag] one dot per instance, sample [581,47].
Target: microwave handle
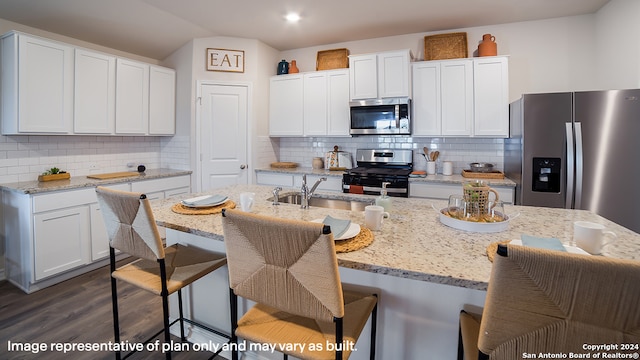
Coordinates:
[397,116]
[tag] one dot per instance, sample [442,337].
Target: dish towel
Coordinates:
[338,226]
[542,243]
[204,200]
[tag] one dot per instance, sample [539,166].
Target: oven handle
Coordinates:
[372,188]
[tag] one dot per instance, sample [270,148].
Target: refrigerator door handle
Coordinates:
[570,166]
[579,166]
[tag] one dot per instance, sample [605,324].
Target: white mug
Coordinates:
[373,215]
[589,236]
[246,201]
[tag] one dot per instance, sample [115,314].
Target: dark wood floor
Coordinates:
[79,311]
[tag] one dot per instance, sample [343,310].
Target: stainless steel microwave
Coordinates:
[381,116]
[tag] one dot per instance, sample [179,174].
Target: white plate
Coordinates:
[189,202]
[353,230]
[570,249]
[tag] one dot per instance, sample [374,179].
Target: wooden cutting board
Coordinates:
[113,175]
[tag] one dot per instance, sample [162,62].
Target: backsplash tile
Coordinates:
[24,157]
[460,151]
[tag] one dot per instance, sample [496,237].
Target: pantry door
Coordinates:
[223,136]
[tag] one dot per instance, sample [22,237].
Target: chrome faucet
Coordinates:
[276,196]
[305,193]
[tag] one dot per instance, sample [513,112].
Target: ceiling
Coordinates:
[156,28]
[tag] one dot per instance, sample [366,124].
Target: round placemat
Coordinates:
[360,241]
[493,248]
[185,210]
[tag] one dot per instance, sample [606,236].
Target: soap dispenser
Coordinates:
[384,200]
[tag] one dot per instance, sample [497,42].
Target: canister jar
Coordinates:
[317,163]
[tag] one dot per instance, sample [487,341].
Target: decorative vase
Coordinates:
[283,67]
[293,68]
[317,163]
[488,46]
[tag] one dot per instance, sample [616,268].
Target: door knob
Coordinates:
[243,166]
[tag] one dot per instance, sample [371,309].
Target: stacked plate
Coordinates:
[204,201]
[342,229]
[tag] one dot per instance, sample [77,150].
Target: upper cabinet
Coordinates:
[94,93]
[380,75]
[310,104]
[132,97]
[461,97]
[79,91]
[37,86]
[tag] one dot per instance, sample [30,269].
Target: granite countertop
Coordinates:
[413,243]
[77,182]
[439,178]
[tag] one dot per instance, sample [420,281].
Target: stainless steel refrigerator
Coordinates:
[578,150]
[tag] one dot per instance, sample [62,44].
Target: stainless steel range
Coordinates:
[376,166]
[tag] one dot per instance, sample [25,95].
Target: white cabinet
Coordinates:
[56,235]
[49,87]
[61,241]
[380,75]
[162,100]
[467,97]
[37,85]
[326,103]
[456,86]
[132,97]
[310,104]
[94,93]
[333,183]
[286,105]
[491,96]
[441,191]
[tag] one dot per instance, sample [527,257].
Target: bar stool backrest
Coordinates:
[289,265]
[130,223]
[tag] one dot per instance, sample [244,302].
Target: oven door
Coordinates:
[372,185]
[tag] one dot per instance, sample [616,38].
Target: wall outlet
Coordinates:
[93,166]
[130,165]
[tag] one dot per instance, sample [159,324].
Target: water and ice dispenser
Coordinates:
[546,174]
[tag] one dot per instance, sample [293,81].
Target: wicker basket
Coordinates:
[446,46]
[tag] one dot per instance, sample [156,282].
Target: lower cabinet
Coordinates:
[54,236]
[441,191]
[333,183]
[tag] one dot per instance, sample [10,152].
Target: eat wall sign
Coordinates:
[225,60]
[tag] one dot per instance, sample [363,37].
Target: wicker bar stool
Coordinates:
[159,270]
[289,268]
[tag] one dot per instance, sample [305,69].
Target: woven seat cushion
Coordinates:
[184,265]
[264,324]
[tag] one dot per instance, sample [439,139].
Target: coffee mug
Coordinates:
[589,236]
[246,201]
[373,215]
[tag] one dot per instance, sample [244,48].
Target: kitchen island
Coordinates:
[425,271]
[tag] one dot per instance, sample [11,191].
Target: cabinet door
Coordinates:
[426,99]
[457,97]
[491,102]
[61,241]
[393,74]
[286,105]
[45,91]
[99,236]
[338,107]
[132,97]
[363,77]
[315,103]
[94,91]
[162,101]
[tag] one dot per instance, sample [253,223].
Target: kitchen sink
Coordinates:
[329,203]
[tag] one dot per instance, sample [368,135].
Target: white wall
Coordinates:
[618,48]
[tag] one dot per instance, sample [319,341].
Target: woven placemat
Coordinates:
[181,209]
[360,241]
[493,248]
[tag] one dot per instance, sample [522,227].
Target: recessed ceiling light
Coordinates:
[292,17]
